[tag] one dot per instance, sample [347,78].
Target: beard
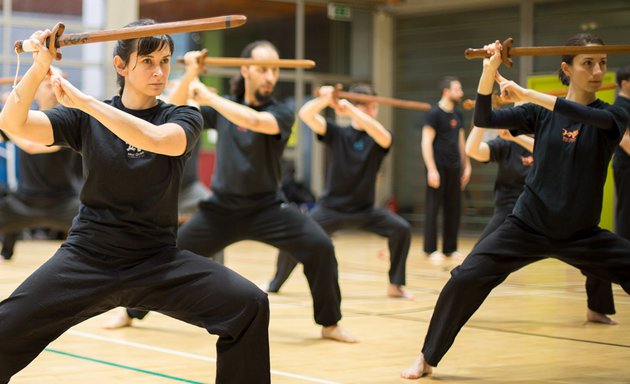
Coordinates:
[456,101]
[262,97]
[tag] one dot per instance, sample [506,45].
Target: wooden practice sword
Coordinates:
[60,40]
[9,80]
[392,102]
[509,51]
[239,61]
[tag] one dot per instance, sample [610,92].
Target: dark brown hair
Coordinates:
[623,73]
[580,39]
[143,45]
[445,83]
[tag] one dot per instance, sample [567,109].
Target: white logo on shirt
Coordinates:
[133,152]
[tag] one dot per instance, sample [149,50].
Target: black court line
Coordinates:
[523,333]
[389,314]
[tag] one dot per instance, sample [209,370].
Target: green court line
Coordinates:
[122,366]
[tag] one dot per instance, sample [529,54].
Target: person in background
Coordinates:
[47,192]
[448,170]
[355,154]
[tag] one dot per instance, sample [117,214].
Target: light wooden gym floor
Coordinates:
[531,329]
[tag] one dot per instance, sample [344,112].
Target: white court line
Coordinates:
[186,354]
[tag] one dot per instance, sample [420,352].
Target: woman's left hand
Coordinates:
[494,50]
[66,93]
[510,91]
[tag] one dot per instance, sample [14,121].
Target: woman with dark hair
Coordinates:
[121,248]
[514,158]
[621,160]
[557,214]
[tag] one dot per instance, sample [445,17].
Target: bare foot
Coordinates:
[436,257]
[419,368]
[394,290]
[456,256]
[264,287]
[596,317]
[121,320]
[335,332]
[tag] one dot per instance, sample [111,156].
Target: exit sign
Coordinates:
[339,12]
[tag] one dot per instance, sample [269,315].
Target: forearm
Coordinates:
[486,81]
[485,117]
[625,142]
[167,139]
[242,115]
[180,94]
[15,112]
[33,148]
[373,128]
[427,156]
[310,115]
[465,161]
[542,99]
[473,144]
[525,142]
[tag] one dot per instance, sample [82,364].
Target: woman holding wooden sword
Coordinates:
[121,248]
[558,213]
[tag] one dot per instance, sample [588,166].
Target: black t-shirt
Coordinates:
[446,144]
[248,164]
[189,176]
[514,163]
[621,158]
[129,198]
[49,175]
[354,159]
[564,189]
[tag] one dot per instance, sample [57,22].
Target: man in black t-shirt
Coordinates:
[448,169]
[253,130]
[355,154]
[192,190]
[47,194]
[621,160]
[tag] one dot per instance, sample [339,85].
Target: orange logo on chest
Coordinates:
[527,161]
[569,136]
[453,123]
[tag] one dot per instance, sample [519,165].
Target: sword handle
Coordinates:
[505,52]
[21,46]
[201,60]
[480,53]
